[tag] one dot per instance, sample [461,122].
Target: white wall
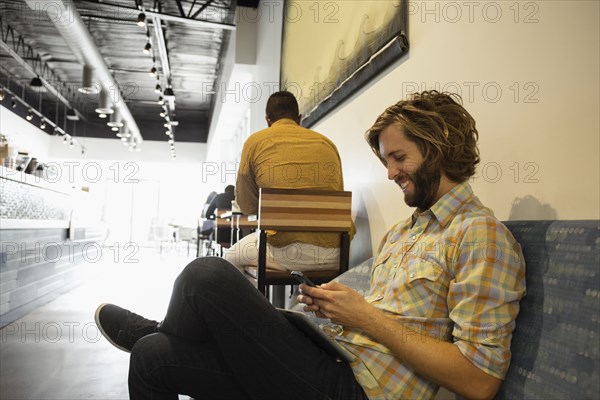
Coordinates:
[23,135]
[539,138]
[268,54]
[247,82]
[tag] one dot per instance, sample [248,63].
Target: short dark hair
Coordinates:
[282,105]
[229,189]
[441,128]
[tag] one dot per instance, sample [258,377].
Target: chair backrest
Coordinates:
[305,210]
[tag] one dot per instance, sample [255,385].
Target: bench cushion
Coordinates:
[556,342]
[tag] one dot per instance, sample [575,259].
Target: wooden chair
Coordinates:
[301,210]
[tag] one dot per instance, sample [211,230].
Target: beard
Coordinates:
[426,182]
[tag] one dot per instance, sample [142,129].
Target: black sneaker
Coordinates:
[121,327]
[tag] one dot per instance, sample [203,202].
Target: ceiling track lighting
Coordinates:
[141,20]
[37,84]
[115,120]
[168,93]
[2,94]
[123,132]
[158,90]
[87,84]
[42,124]
[147,48]
[72,115]
[29,116]
[152,72]
[104,104]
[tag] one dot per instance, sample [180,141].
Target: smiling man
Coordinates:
[445,291]
[446,283]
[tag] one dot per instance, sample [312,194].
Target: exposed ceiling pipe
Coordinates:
[67,20]
[192,21]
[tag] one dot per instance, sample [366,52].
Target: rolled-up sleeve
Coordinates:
[484,297]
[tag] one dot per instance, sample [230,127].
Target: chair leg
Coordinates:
[262,263]
[278,296]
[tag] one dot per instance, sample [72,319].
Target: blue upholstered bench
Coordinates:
[556,344]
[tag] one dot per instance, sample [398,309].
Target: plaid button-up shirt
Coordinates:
[453,273]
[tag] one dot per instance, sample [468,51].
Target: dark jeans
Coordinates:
[222,339]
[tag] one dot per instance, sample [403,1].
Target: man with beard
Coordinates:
[446,284]
[445,291]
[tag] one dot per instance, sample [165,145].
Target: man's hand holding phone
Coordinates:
[304,297]
[300,277]
[340,303]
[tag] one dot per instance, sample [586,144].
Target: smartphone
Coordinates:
[302,279]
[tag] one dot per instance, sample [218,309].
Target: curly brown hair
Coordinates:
[441,128]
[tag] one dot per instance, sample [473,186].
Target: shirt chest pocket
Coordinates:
[421,290]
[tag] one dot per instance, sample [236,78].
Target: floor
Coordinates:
[56,352]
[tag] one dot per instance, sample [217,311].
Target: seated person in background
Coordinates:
[445,291]
[287,156]
[222,202]
[208,224]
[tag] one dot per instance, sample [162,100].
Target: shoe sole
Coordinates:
[97,319]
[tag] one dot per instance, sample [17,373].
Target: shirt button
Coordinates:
[413,237]
[411,276]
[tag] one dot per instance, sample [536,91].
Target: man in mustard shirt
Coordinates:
[444,294]
[286,156]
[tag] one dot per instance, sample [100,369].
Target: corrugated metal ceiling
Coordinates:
[194,54]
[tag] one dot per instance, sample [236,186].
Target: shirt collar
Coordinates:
[284,121]
[448,205]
